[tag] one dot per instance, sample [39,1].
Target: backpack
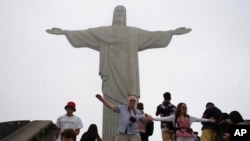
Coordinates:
[150,128]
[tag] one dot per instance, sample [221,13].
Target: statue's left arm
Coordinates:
[56,31]
[157,39]
[181,30]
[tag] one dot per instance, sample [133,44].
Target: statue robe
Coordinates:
[118,47]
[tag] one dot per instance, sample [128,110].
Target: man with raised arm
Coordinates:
[129,117]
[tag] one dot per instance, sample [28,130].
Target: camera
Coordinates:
[190,130]
[132,119]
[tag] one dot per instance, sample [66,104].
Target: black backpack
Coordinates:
[150,128]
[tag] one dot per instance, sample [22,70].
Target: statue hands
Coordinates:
[56,31]
[181,30]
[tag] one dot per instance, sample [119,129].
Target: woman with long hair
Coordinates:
[91,134]
[182,122]
[235,119]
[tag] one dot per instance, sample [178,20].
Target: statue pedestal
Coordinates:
[110,121]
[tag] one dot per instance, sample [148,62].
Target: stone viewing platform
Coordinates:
[25,130]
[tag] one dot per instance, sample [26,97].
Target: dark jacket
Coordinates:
[216,114]
[165,109]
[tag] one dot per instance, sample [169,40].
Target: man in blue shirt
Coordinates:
[128,117]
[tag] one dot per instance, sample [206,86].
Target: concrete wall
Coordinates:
[42,130]
[6,128]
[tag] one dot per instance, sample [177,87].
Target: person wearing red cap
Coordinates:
[68,121]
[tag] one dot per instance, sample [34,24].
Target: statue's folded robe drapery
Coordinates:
[118,47]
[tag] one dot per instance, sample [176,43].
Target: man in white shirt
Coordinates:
[68,121]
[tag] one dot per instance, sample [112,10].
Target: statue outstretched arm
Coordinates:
[56,31]
[181,30]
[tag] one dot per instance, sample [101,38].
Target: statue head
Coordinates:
[119,17]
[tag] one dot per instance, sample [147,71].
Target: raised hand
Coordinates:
[98,96]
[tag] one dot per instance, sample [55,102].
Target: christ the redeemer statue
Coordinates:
[119,45]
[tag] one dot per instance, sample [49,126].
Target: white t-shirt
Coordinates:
[66,122]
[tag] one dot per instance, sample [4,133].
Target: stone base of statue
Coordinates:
[110,121]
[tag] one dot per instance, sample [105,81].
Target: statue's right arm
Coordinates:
[56,31]
[105,102]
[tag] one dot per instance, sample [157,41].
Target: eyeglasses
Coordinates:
[132,100]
